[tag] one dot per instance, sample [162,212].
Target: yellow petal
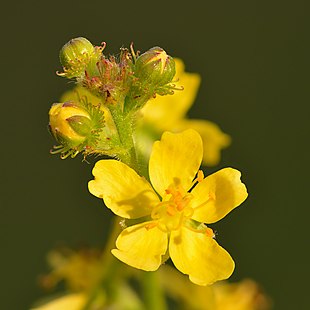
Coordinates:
[217,195]
[213,139]
[68,302]
[243,295]
[141,247]
[164,111]
[122,189]
[199,256]
[175,159]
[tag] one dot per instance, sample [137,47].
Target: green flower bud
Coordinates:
[155,67]
[82,125]
[78,56]
[69,123]
[76,127]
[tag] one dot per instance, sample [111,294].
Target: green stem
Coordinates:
[124,124]
[152,292]
[153,295]
[110,271]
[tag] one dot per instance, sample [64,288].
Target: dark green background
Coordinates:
[253,57]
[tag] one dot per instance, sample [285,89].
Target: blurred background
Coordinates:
[253,57]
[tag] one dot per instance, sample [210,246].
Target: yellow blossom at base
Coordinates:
[243,295]
[79,269]
[174,224]
[68,302]
[169,113]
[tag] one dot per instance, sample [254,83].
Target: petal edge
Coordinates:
[140,247]
[122,189]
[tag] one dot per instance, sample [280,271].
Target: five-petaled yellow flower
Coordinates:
[177,222]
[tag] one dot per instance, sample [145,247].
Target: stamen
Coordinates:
[209,232]
[168,191]
[202,230]
[171,210]
[155,212]
[180,222]
[151,225]
[171,213]
[180,205]
[188,212]
[200,176]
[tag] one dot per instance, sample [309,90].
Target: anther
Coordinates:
[171,210]
[150,225]
[209,232]
[200,176]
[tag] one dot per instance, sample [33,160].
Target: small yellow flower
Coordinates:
[242,295]
[79,269]
[68,302]
[169,113]
[174,223]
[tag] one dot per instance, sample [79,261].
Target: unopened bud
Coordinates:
[69,123]
[77,56]
[155,67]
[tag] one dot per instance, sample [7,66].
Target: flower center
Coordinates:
[173,210]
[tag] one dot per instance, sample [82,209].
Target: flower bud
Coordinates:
[69,123]
[77,56]
[155,67]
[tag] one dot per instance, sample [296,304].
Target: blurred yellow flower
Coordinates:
[243,295]
[124,298]
[67,302]
[80,269]
[177,220]
[168,113]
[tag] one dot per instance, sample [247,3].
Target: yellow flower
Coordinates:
[80,269]
[169,113]
[243,295]
[67,302]
[174,222]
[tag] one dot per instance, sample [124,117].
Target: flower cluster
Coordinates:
[132,109]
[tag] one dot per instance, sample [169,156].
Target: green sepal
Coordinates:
[155,67]
[80,124]
[79,57]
